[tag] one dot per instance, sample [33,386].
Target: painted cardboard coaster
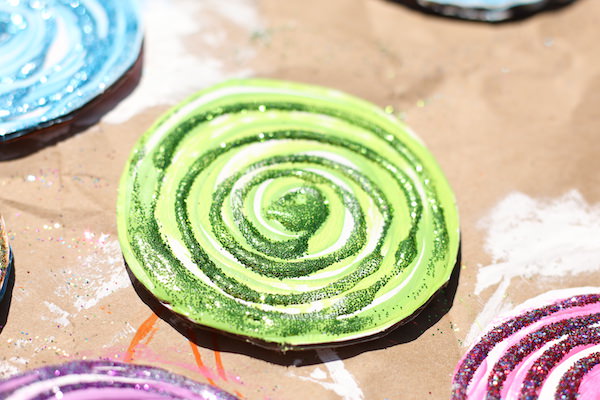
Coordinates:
[288,214]
[487,10]
[58,55]
[548,348]
[106,380]
[5,258]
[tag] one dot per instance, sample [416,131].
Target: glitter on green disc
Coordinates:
[302,209]
[289,214]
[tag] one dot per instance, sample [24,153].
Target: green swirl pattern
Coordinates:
[289,214]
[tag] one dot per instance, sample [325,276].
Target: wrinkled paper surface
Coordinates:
[511,108]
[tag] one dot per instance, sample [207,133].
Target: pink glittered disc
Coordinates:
[548,348]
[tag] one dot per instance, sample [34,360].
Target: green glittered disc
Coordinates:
[289,214]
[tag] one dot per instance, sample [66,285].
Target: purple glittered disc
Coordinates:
[106,380]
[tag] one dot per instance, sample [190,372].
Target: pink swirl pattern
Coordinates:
[548,348]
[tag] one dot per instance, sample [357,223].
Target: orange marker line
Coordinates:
[141,333]
[199,362]
[218,360]
[151,334]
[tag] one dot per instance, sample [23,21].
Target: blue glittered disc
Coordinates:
[58,55]
[487,10]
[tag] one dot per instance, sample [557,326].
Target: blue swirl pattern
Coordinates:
[58,55]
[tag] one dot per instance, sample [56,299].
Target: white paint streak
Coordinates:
[62,317]
[344,383]
[173,71]
[318,374]
[12,366]
[19,343]
[7,369]
[107,272]
[535,238]
[124,333]
[19,360]
[339,379]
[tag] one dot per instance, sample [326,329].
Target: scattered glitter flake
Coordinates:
[93,181]
[43,177]
[88,235]
[99,273]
